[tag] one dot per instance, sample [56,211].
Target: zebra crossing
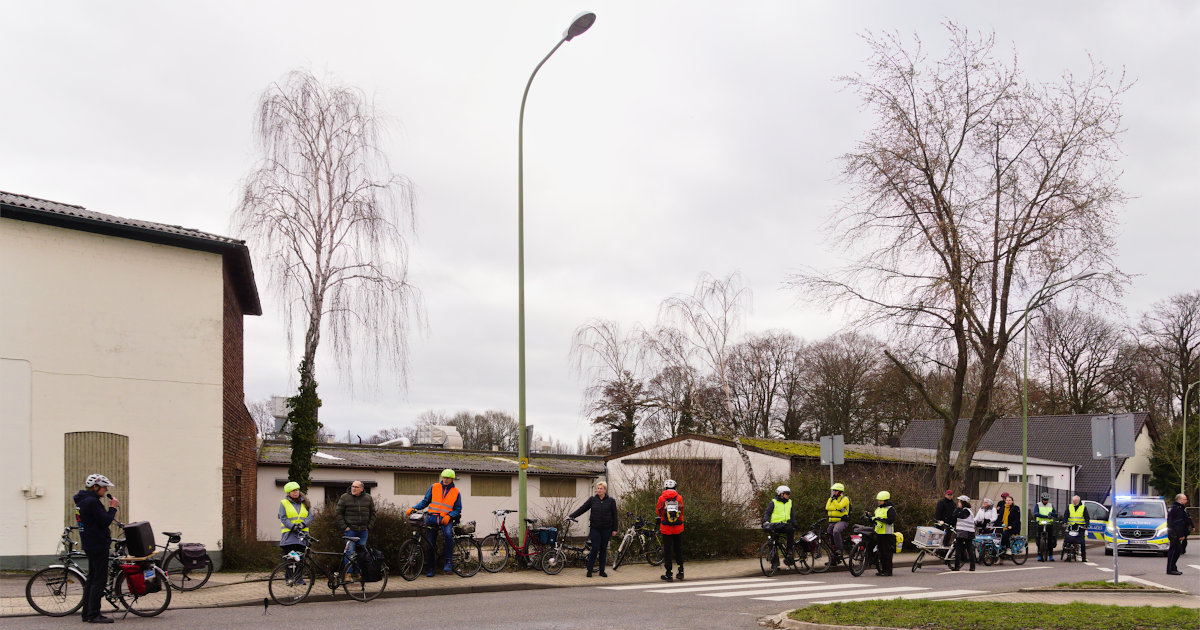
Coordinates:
[791,590]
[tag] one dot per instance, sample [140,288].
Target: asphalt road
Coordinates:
[728,603]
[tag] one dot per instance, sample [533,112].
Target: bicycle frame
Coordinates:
[335,578]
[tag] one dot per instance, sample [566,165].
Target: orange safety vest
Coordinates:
[442,503]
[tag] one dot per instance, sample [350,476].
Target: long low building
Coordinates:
[397,475]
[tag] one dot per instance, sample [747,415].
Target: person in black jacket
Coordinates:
[603,522]
[95,539]
[944,512]
[1008,520]
[1179,524]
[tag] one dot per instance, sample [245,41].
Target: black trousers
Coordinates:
[964,546]
[93,589]
[599,539]
[1173,552]
[672,548]
[887,547]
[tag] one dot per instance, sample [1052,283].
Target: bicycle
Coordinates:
[185,571]
[57,590]
[571,553]
[987,545]
[1043,539]
[466,555]
[640,539]
[821,556]
[293,579]
[863,548]
[768,554]
[535,551]
[934,546]
[1073,542]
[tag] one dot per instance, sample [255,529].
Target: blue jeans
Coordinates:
[447,532]
[361,544]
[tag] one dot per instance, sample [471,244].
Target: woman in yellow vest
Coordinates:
[294,515]
[837,510]
[885,532]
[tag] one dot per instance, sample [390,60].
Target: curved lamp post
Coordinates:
[1025,385]
[578,26]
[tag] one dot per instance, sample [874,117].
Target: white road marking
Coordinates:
[927,595]
[1148,583]
[870,591]
[1091,564]
[1195,566]
[629,587]
[715,587]
[785,589]
[993,570]
[1109,570]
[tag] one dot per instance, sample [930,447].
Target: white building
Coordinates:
[120,353]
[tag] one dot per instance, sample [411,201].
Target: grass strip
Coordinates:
[979,615]
[1102,585]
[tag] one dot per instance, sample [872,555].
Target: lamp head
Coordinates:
[579,25]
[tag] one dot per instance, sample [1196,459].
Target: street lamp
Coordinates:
[580,24]
[1025,386]
[1183,455]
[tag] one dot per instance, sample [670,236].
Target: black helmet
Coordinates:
[1045,496]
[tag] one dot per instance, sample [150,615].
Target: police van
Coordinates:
[1137,523]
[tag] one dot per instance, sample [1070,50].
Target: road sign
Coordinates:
[833,449]
[1107,428]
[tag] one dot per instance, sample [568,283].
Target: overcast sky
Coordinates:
[671,139]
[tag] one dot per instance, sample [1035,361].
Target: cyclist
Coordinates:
[670,525]
[885,532]
[1046,515]
[780,517]
[964,533]
[444,505]
[355,514]
[1077,515]
[602,525]
[837,507]
[94,520]
[985,516]
[1008,519]
[295,514]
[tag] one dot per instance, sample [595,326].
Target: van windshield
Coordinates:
[1142,509]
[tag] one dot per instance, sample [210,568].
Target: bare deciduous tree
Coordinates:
[1171,332]
[613,362]
[758,368]
[328,220]
[841,372]
[1075,351]
[976,187]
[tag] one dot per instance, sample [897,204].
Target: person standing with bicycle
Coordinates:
[602,523]
[1077,515]
[1046,515]
[781,518]
[94,536]
[355,515]
[670,525]
[294,516]
[964,533]
[885,532]
[837,509]
[444,505]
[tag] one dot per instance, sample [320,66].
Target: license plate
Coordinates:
[810,536]
[148,574]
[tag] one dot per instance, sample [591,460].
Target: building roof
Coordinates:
[1059,438]
[25,208]
[369,456]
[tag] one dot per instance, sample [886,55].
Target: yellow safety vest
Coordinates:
[782,512]
[293,516]
[1075,516]
[880,526]
[1043,517]
[837,508]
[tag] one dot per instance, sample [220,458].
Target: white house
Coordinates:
[120,353]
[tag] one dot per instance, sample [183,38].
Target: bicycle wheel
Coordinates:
[622,551]
[290,582]
[467,557]
[146,604]
[989,555]
[55,591]
[821,558]
[493,553]
[654,552]
[917,562]
[553,560]
[768,560]
[410,560]
[185,579]
[858,560]
[1020,549]
[364,591]
[803,564]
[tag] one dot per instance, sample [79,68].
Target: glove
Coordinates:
[766,524]
[408,512]
[445,519]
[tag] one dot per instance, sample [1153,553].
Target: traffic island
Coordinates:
[975,614]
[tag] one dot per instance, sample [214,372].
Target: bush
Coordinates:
[239,553]
[713,527]
[391,529]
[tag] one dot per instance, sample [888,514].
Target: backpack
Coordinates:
[370,564]
[672,510]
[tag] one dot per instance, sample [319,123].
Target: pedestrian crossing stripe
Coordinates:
[869,591]
[716,587]
[662,585]
[925,595]
[1195,566]
[787,589]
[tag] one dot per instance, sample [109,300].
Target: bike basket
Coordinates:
[135,577]
[464,528]
[415,519]
[192,555]
[928,537]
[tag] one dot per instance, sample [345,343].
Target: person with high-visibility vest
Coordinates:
[1077,515]
[837,511]
[1044,516]
[885,532]
[444,505]
[782,518]
[295,514]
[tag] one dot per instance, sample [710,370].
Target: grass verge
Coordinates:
[977,615]
[1101,585]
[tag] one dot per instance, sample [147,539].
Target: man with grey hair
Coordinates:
[355,514]
[1179,525]
[1076,515]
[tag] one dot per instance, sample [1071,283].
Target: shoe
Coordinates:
[1051,558]
[1041,559]
[972,568]
[430,574]
[100,619]
[603,574]
[679,574]
[447,568]
[666,577]
[589,574]
[1174,572]
[300,582]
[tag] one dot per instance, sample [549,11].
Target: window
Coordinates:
[491,485]
[414,484]
[1014,478]
[552,487]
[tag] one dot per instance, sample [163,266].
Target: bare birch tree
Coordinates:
[329,221]
[976,188]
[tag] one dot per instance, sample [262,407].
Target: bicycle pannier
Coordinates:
[134,578]
[139,539]
[547,535]
[671,509]
[464,528]
[370,564]
[150,577]
[192,555]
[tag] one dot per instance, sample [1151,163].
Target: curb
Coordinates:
[782,621]
[1107,591]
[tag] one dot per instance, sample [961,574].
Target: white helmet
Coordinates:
[782,489]
[97,480]
[669,484]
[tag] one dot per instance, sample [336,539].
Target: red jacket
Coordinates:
[662,513]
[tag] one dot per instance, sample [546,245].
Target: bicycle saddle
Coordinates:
[531,521]
[172,534]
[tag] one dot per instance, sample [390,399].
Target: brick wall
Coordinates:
[239,433]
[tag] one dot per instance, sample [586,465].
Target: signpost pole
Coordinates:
[1112,473]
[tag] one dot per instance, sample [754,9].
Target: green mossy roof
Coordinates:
[793,448]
